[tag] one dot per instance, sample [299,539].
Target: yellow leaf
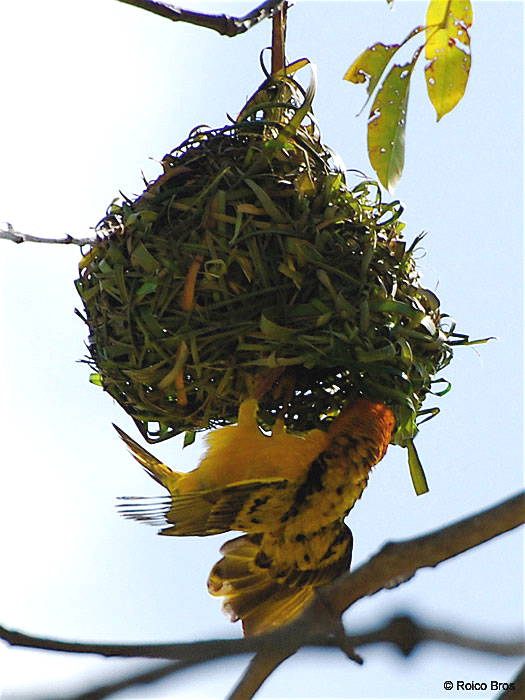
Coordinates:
[293,67]
[447,49]
[369,66]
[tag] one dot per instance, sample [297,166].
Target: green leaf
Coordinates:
[466,341]
[141,257]
[386,124]
[189,438]
[96,379]
[146,288]
[274,330]
[397,307]
[416,470]
[442,392]
[273,211]
[448,52]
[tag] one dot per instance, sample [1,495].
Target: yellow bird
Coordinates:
[288,492]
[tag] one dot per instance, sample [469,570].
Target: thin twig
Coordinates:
[9,234]
[223,24]
[183,651]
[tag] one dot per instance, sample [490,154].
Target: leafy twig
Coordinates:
[9,234]
[223,24]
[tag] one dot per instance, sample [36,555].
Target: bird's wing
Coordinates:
[249,506]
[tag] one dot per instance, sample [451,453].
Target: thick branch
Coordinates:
[152,675]
[394,564]
[402,632]
[9,234]
[405,634]
[398,561]
[319,625]
[516,688]
[260,668]
[223,24]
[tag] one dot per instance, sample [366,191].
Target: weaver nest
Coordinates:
[249,267]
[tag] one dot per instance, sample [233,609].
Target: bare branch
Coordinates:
[9,234]
[396,563]
[402,632]
[191,651]
[107,689]
[318,625]
[399,561]
[405,634]
[516,688]
[260,668]
[223,24]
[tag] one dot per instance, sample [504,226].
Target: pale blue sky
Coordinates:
[92,92]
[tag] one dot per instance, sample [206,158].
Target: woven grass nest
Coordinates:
[249,267]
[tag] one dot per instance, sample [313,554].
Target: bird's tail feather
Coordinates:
[251,593]
[154,467]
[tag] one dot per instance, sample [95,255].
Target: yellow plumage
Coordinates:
[289,493]
[237,453]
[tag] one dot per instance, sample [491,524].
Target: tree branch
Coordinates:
[9,234]
[158,673]
[398,562]
[259,669]
[516,688]
[406,634]
[223,24]
[403,632]
[319,625]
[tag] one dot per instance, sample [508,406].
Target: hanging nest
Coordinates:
[249,267]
